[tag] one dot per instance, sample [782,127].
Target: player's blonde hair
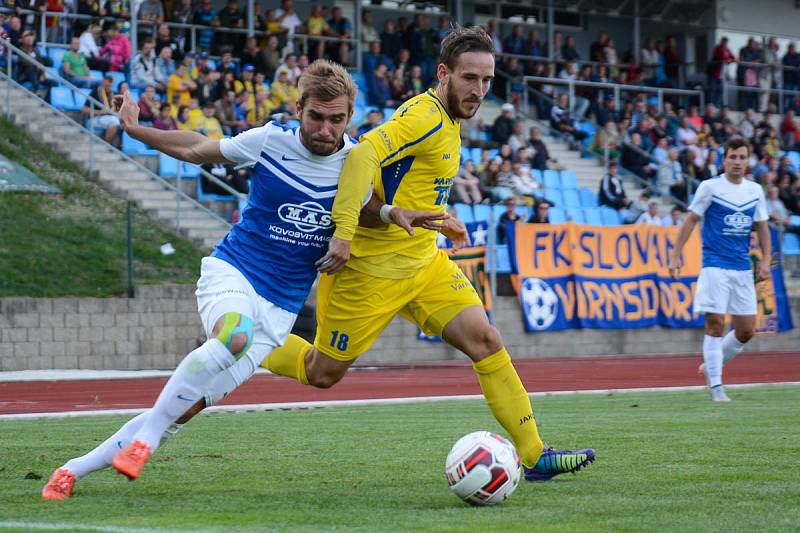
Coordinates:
[325,80]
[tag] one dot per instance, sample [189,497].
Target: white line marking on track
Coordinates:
[289,406]
[50,526]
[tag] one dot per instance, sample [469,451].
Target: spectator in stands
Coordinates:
[568,51]
[522,182]
[76,67]
[504,124]
[612,193]
[747,74]
[230,16]
[789,192]
[342,28]
[118,9]
[143,67]
[179,83]
[379,90]
[164,120]
[205,15]
[541,156]
[541,213]
[769,75]
[317,26]
[165,67]
[607,138]
[374,119]
[104,117]
[208,124]
[270,57]
[686,134]
[561,120]
[261,110]
[290,22]
[597,48]
[650,61]
[373,57]
[518,138]
[400,90]
[635,159]
[466,184]
[509,216]
[208,86]
[236,179]
[675,217]
[183,13]
[149,106]
[28,72]
[368,31]
[293,71]
[608,111]
[790,133]
[710,169]
[93,8]
[391,40]
[500,186]
[283,94]
[163,39]
[720,59]
[651,215]
[226,112]
[515,42]
[414,83]
[251,55]
[672,62]
[779,215]
[791,75]
[117,49]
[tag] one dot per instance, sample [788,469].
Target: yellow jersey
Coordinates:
[418,150]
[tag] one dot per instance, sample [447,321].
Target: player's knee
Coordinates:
[744,335]
[714,327]
[488,342]
[323,380]
[235,331]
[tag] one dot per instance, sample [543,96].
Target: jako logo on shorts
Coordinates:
[308,216]
[738,220]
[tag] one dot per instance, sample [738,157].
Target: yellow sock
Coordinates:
[290,359]
[510,404]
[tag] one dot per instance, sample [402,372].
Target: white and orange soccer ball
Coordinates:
[483,468]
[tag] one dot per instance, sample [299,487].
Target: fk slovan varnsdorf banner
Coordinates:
[576,276]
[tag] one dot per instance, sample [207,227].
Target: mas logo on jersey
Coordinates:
[739,221]
[308,216]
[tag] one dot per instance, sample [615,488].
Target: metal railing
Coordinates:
[617,88]
[12,51]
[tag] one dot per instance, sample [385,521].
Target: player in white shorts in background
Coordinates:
[730,207]
[260,274]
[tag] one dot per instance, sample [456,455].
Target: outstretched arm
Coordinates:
[184,145]
[377,213]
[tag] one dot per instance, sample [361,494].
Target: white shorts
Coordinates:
[725,291]
[223,289]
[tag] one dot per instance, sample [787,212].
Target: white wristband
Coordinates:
[385,208]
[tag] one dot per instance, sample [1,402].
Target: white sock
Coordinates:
[731,347]
[712,357]
[229,380]
[188,384]
[101,456]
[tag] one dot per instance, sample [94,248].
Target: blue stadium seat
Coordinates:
[51,73]
[536,174]
[465,154]
[494,152]
[203,197]
[96,75]
[502,259]
[794,220]
[552,179]
[57,56]
[791,244]
[464,212]
[575,214]
[361,99]
[212,64]
[588,197]
[592,216]
[571,198]
[498,209]
[475,155]
[361,82]
[132,146]
[554,196]
[168,168]
[481,212]
[61,98]
[610,216]
[557,215]
[80,97]
[794,157]
[136,94]
[388,112]
[569,180]
[523,212]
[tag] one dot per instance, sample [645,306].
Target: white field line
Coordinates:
[55,526]
[286,406]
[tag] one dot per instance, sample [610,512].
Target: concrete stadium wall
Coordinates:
[160,326]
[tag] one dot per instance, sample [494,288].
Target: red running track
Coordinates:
[423,379]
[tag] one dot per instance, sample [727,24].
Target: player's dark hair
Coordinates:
[461,40]
[735,143]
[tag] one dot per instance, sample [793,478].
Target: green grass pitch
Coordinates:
[667,461]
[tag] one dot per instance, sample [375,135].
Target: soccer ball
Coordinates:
[483,468]
[540,303]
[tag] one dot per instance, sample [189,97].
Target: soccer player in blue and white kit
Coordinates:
[259,275]
[730,207]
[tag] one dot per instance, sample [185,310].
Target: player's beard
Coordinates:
[454,104]
[318,146]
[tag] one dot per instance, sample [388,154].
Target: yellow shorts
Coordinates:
[354,308]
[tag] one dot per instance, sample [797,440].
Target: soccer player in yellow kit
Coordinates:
[384,270]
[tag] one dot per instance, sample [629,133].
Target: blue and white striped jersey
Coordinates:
[287,223]
[729,211]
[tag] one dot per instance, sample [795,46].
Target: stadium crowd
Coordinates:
[230,82]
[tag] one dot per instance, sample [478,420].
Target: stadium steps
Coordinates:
[117,174]
[589,171]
